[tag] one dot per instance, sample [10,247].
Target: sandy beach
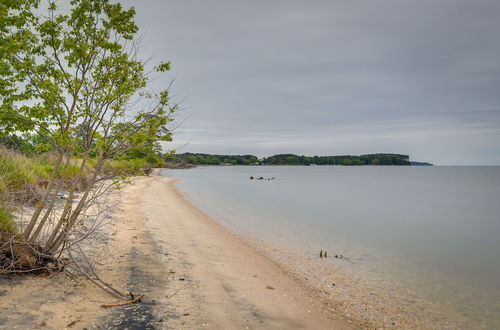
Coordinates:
[224,283]
[195,274]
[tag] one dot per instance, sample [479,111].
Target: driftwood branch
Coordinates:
[134,300]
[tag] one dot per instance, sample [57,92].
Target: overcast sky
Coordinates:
[330,77]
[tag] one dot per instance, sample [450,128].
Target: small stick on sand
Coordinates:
[133,301]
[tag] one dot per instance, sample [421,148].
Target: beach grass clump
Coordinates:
[7,223]
[20,173]
[17,172]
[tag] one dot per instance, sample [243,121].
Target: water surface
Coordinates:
[431,232]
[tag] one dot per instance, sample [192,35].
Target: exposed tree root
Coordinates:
[19,256]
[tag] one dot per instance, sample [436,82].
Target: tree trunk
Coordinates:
[52,203]
[40,205]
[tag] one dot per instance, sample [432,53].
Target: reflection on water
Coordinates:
[418,235]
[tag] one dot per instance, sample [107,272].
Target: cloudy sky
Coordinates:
[329,77]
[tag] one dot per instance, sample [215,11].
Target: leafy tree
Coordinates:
[76,79]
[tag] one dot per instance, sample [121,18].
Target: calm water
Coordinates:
[432,231]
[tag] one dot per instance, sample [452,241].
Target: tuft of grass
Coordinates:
[16,171]
[6,221]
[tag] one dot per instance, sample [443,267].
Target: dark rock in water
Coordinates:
[261,178]
[339,256]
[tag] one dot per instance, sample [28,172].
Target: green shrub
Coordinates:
[127,166]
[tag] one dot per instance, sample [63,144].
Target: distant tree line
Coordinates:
[207,159]
[291,159]
[371,159]
[420,163]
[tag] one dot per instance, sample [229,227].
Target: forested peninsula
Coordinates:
[290,159]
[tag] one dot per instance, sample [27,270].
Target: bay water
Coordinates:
[424,240]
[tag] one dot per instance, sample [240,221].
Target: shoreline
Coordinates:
[230,283]
[338,293]
[195,272]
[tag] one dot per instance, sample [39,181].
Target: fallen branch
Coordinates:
[176,292]
[134,300]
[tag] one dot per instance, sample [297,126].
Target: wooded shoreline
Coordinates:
[379,159]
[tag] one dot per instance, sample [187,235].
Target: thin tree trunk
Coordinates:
[69,204]
[41,203]
[72,219]
[52,203]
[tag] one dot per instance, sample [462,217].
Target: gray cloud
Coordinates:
[334,77]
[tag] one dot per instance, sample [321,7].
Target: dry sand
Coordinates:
[195,273]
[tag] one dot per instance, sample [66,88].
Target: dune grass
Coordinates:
[19,173]
[6,221]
